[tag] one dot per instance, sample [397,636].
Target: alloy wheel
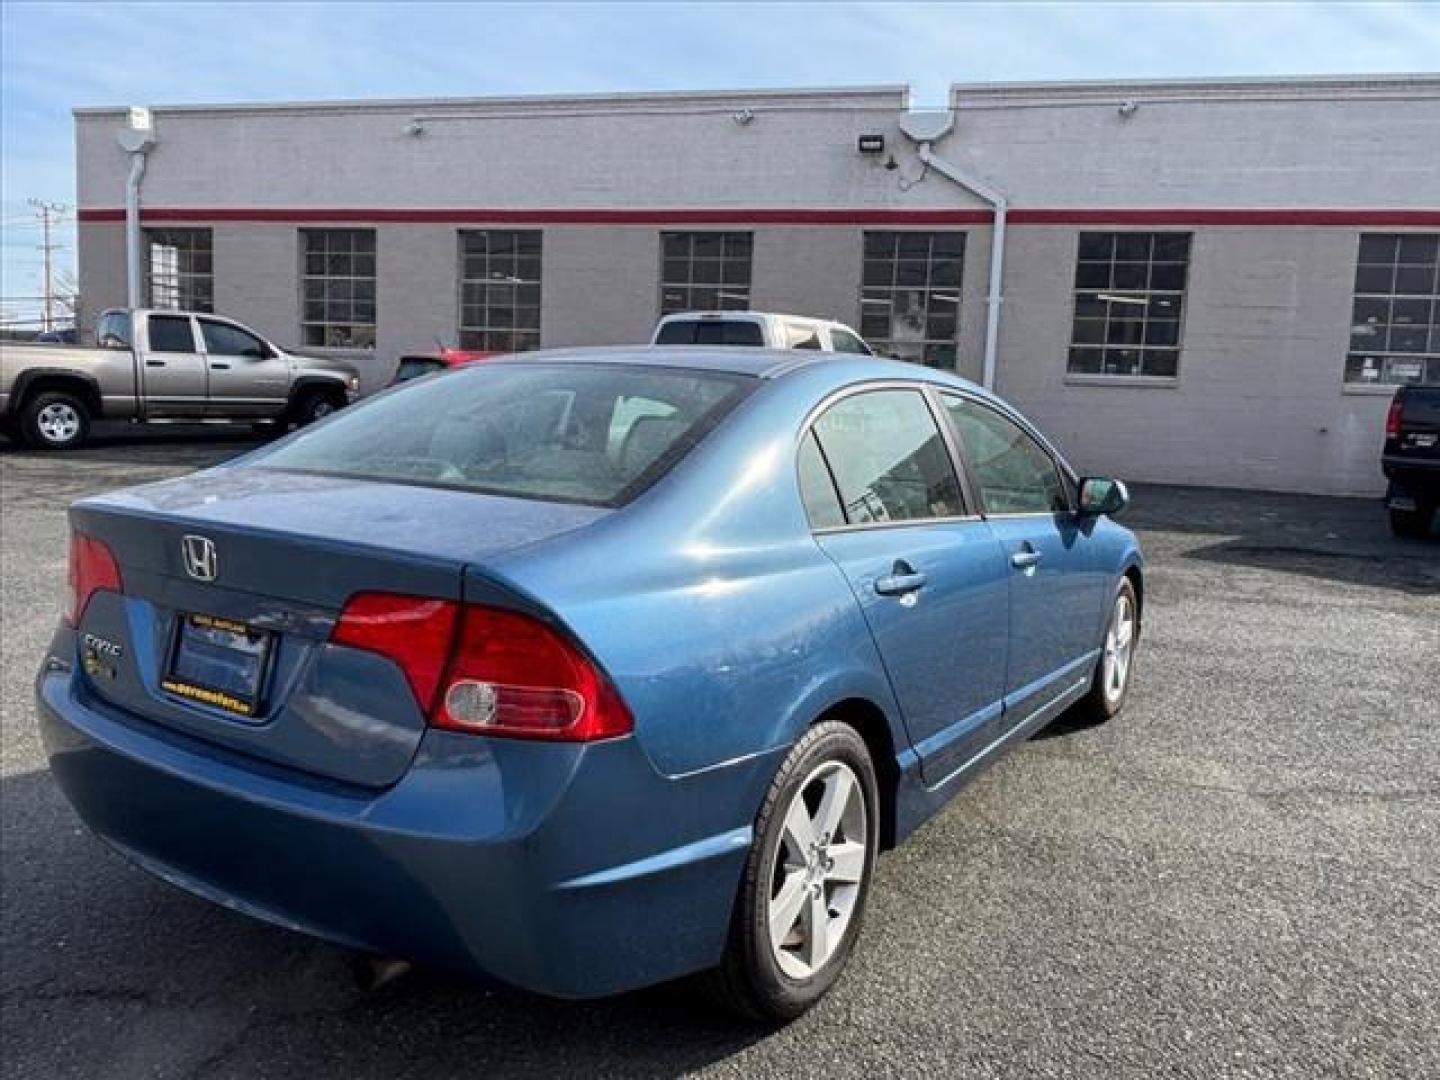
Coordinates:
[1119,648]
[818,870]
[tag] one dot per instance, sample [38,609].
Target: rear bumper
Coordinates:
[575,871]
[1417,473]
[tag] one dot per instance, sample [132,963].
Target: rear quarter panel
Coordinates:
[707,600]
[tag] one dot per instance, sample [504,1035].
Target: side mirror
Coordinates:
[1102,495]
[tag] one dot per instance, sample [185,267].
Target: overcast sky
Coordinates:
[57,56]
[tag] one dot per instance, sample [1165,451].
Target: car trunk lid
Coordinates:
[233,581]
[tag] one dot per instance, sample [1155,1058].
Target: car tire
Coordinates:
[1111,685]
[54,420]
[827,786]
[313,405]
[1412,524]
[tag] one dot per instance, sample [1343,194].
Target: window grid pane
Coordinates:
[910,294]
[1395,322]
[337,288]
[705,271]
[180,269]
[500,289]
[1129,303]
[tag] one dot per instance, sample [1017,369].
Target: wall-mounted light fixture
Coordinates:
[871,144]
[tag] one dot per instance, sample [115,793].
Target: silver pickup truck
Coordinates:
[163,367]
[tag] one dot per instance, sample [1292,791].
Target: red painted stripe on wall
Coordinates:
[1267,218]
[1180,216]
[540,216]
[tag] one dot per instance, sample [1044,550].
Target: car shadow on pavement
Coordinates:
[1342,540]
[104,965]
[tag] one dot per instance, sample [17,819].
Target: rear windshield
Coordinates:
[585,433]
[710,332]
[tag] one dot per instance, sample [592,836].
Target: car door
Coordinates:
[172,369]
[886,504]
[247,376]
[1056,587]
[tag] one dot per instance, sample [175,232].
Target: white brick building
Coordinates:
[1204,282]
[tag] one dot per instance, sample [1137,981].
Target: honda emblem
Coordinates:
[200,561]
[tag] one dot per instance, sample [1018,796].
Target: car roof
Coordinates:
[760,363]
[746,315]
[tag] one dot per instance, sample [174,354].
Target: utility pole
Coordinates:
[49,214]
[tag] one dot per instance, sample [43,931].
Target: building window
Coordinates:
[338,279]
[1395,331]
[1129,297]
[910,294]
[179,269]
[704,271]
[500,290]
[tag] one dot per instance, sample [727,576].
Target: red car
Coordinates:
[414,365]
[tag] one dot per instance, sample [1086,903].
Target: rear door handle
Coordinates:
[902,579]
[1025,559]
[154,363]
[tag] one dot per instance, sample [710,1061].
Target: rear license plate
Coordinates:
[1425,441]
[218,662]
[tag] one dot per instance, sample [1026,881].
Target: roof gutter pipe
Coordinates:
[925,129]
[136,140]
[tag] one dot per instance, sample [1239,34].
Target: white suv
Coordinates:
[758,328]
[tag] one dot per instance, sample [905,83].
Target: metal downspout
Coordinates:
[1001,207]
[132,228]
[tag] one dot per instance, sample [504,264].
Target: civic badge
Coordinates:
[200,560]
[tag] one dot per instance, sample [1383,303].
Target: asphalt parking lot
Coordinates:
[1239,876]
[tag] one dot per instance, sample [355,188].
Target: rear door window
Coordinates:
[171,334]
[888,458]
[817,489]
[588,433]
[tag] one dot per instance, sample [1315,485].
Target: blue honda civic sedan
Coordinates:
[590,669]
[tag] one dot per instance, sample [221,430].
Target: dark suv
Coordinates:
[1412,459]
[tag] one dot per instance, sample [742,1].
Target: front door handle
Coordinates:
[154,363]
[902,579]
[219,367]
[1027,558]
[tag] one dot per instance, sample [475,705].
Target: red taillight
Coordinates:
[92,568]
[414,631]
[499,673]
[1392,419]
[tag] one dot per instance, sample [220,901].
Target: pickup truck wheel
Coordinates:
[313,405]
[1412,523]
[55,420]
